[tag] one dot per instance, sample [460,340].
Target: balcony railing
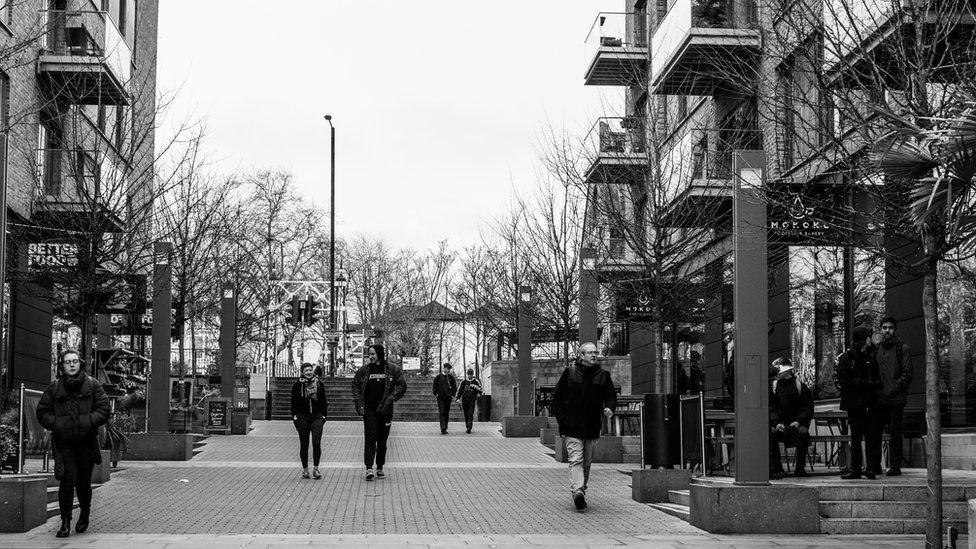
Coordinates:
[616,49]
[699,42]
[615,150]
[71,186]
[80,42]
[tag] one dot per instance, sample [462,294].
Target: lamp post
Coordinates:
[332,293]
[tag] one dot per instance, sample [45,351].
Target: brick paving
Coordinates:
[478,490]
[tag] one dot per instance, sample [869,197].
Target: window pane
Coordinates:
[957,344]
[817,314]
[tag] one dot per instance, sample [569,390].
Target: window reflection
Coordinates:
[957,343]
[816,314]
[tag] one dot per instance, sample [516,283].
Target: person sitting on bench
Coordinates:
[790,412]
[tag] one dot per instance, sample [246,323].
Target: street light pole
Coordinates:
[332,292]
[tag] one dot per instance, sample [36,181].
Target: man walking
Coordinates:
[790,412]
[895,366]
[375,388]
[445,388]
[859,382]
[583,395]
[468,394]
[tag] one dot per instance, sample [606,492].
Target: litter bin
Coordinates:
[484,408]
[661,443]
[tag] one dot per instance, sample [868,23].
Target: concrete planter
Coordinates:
[160,446]
[523,426]
[240,422]
[23,503]
[653,485]
[608,450]
[772,509]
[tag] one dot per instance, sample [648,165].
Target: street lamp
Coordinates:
[332,293]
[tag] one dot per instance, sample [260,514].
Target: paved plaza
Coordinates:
[478,490]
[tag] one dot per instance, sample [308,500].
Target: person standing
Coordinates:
[467,394]
[375,388]
[858,379]
[583,395]
[895,367]
[309,409]
[445,388]
[790,412]
[73,407]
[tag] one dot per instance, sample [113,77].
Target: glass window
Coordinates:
[816,314]
[957,341]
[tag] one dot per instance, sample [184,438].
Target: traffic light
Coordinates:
[320,311]
[293,312]
[309,312]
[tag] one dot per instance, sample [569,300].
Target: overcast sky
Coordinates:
[438,105]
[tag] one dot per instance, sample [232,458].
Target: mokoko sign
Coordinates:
[804,218]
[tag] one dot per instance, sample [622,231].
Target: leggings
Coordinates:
[78,466]
[310,424]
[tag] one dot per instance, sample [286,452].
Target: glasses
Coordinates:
[72,361]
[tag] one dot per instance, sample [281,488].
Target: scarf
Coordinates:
[310,388]
[73,383]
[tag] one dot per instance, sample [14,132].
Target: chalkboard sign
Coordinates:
[218,414]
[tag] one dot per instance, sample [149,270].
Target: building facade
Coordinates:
[813,86]
[79,106]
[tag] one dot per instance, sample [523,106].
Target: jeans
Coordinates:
[310,424]
[468,407]
[800,435]
[78,466]
[864,426]
[892,416]
[580,453]
[376,429]
[444,411]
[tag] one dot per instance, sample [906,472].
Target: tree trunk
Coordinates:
[933,436]
[182,351]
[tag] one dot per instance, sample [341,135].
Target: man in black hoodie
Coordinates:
[583,395]
[895,366]
[858,379]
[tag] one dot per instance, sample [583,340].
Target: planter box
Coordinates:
[160,446]
[608,449]
[23,503]
[101,473]
[240,422]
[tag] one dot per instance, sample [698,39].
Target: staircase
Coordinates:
[418,404]
[678,504]
[891,509]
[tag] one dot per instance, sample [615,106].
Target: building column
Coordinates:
[589,298]
[162,307]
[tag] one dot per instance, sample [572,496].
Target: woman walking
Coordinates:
[73,407]
[375,387]
[468,393]
[308,412]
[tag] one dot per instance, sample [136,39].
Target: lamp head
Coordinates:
[328,117]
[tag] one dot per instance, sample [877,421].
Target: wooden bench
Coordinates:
[836,450]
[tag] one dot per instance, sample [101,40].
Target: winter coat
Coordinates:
[302,405]
[74,417]
[394,389]
[469,390]
[579,399]
[790,401]
[857,377]
[895,368]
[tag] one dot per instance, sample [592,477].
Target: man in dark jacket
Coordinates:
[858,379]
[445,389]
[73,408]
[583,395]
[468,393]
[895,366]
[790,412]
[375,387]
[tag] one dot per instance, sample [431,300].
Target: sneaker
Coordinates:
[380,473]
[870,475]
[369,474]
[304,472]
[853,475]
[316,474]
[894,472]
[579,500]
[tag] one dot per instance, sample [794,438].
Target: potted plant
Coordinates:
[118,426]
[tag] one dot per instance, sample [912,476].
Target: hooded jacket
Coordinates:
[579,399]
[393,389]
[74,417]
[857,378]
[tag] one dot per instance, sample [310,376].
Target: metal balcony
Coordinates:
[85,59]
[698,168]
[615,151]
[72,193]
[616,49]
[702,44]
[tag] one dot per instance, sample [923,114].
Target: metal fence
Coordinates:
[32,438]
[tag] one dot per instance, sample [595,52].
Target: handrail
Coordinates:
[601,18]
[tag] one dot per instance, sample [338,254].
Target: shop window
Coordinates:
[957,342]
[816,314]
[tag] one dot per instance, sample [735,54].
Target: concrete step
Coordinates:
[680,497]
[631,458]
[875,491]
[951,510]
[53,509]
[680,511]
[852,526]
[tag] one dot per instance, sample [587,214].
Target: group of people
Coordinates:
[873,378]
[447,390]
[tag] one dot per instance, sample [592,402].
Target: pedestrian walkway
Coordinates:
[443,490]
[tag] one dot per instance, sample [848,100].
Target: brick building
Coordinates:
[78,81]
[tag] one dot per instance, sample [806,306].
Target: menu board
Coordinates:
[218,414]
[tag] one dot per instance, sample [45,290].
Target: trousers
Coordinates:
[800,435]
[893,416]
[376,431]
[864,426]
[310,425]
[580,453]
[78,466]
[468,407]
[444,411]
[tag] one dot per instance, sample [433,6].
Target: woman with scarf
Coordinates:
[308,412]
[73,407]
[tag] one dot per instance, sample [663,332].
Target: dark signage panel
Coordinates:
[218,414]
[808,216]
